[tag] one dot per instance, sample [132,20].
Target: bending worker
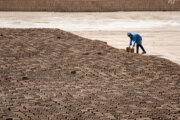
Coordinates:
[137,40]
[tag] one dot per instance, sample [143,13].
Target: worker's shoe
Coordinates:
[144,52]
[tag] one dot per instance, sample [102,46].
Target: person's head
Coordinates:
[129,34]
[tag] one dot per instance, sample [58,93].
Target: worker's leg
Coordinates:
[142,48]
[137,48]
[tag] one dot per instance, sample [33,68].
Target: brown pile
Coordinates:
[53,74]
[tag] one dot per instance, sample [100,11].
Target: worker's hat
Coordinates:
[128,34]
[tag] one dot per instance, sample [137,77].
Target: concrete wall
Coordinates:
[89,5]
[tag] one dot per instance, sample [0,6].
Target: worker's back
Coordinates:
[136,37]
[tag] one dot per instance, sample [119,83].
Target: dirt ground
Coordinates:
[160,30]
[52,74]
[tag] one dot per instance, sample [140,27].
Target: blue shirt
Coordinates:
[136,38]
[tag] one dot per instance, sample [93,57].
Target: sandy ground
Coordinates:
[50,74]
[160,30]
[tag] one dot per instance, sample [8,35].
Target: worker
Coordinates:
[137,40]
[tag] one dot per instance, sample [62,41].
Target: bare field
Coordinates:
[160,30]
[52,74]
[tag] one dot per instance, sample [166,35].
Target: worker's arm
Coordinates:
[135,42]
[130,42]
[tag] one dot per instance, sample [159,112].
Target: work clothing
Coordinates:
[136,38]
